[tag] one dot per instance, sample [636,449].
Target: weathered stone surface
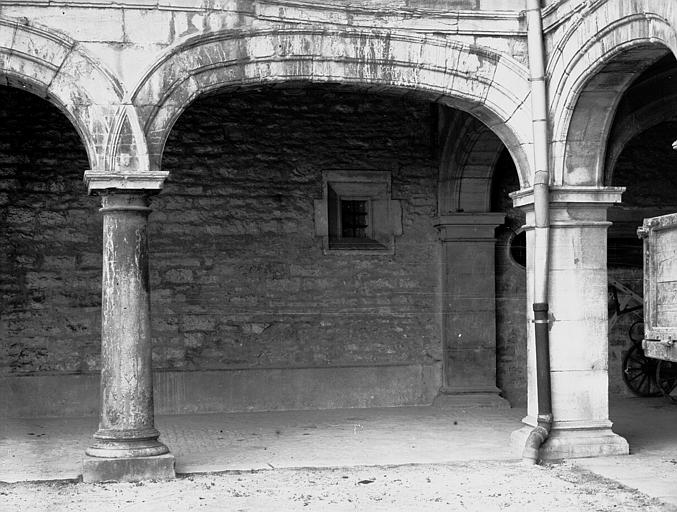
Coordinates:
[354,57]
[200,392]
[577,304]
[126,417]
[245,209]
[574,443]
[468,300]
[194,333]
[97,469]
[50,261]
[233,242]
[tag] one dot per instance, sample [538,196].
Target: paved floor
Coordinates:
[650,426]
[44,449]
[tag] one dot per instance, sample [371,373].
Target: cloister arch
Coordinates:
[467,163]
[648,102]
[246,170]
[491,86]
[589,73]
[56,67]
[639,158]
[592,62]
[641,120]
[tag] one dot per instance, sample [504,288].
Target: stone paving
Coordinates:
[650,426]
[49,449]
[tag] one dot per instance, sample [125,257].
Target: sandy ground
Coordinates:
[473,486]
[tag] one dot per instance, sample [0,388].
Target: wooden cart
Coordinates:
[639,371]
[660,298]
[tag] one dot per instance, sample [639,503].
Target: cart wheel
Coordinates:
[666,377]
[639,373]
[636,331]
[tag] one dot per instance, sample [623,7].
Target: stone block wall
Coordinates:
[239,279]
[238,275]
[50,243]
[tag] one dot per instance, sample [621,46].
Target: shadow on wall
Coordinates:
[50,243]
[511,333]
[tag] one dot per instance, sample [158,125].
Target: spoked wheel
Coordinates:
[666,378]
[636,331]
[639,373]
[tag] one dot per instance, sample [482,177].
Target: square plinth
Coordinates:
[573,444]
[134,469]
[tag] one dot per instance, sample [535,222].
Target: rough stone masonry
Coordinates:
[226,120]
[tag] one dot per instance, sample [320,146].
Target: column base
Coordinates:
[132,469]
[449,397]
[573,443]
[123,444]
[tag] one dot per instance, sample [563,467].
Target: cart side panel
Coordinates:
[660,286]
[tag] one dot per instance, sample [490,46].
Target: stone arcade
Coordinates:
[312,201]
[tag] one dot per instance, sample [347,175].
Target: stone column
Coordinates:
[468,302]
[126,446]
[578,329]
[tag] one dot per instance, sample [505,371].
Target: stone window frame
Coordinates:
[385,212]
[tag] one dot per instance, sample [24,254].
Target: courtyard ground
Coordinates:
[412,458]
[472,486]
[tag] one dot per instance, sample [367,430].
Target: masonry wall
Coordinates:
[240,285]
[239,278]
[50,243]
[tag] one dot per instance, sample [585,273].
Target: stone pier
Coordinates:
[468,305]
[578,328]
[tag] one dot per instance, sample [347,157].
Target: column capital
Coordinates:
[150,181]
[572,207]
[604,196]
[468,226]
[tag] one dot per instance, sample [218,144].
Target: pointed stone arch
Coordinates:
[590,68]
[491,86]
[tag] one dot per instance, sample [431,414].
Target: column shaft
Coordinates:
[126,427]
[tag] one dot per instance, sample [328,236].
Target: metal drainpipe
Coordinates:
[539,107]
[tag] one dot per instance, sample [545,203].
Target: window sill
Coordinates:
[356,244]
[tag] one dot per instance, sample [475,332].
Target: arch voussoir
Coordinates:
[461,75]
[55,67]
[591,67]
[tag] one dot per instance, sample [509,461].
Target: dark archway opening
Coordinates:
[640,158]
